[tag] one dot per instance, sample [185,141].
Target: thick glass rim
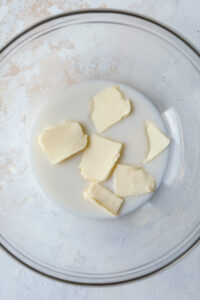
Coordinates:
[19,255]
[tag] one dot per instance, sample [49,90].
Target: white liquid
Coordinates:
[63,182]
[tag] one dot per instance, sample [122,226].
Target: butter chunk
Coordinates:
[133,181]
[158,141]
[104,198]
[99,158]
[109,107]
[63,140]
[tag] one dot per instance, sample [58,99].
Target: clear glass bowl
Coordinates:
[113,45]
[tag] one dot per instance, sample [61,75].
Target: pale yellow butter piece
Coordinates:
[158,141]
[109,107]
[63,140]
[133,181]
[104,198]
[99,158]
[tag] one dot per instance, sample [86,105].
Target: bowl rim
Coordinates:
[102,11]
[6,245]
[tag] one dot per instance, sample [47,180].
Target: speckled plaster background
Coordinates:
[182,281]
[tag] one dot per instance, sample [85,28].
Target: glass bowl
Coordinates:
[118,46]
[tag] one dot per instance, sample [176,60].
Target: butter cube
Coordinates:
[158,141]
[104,198]
[109,107]
[133,181]
[99,158]
[63,140]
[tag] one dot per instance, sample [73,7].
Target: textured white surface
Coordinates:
[180,281]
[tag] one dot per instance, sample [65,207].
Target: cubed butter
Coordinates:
[104,198]
[99,158]
[133,181]
[63,140]
[109,107]
[158,141]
